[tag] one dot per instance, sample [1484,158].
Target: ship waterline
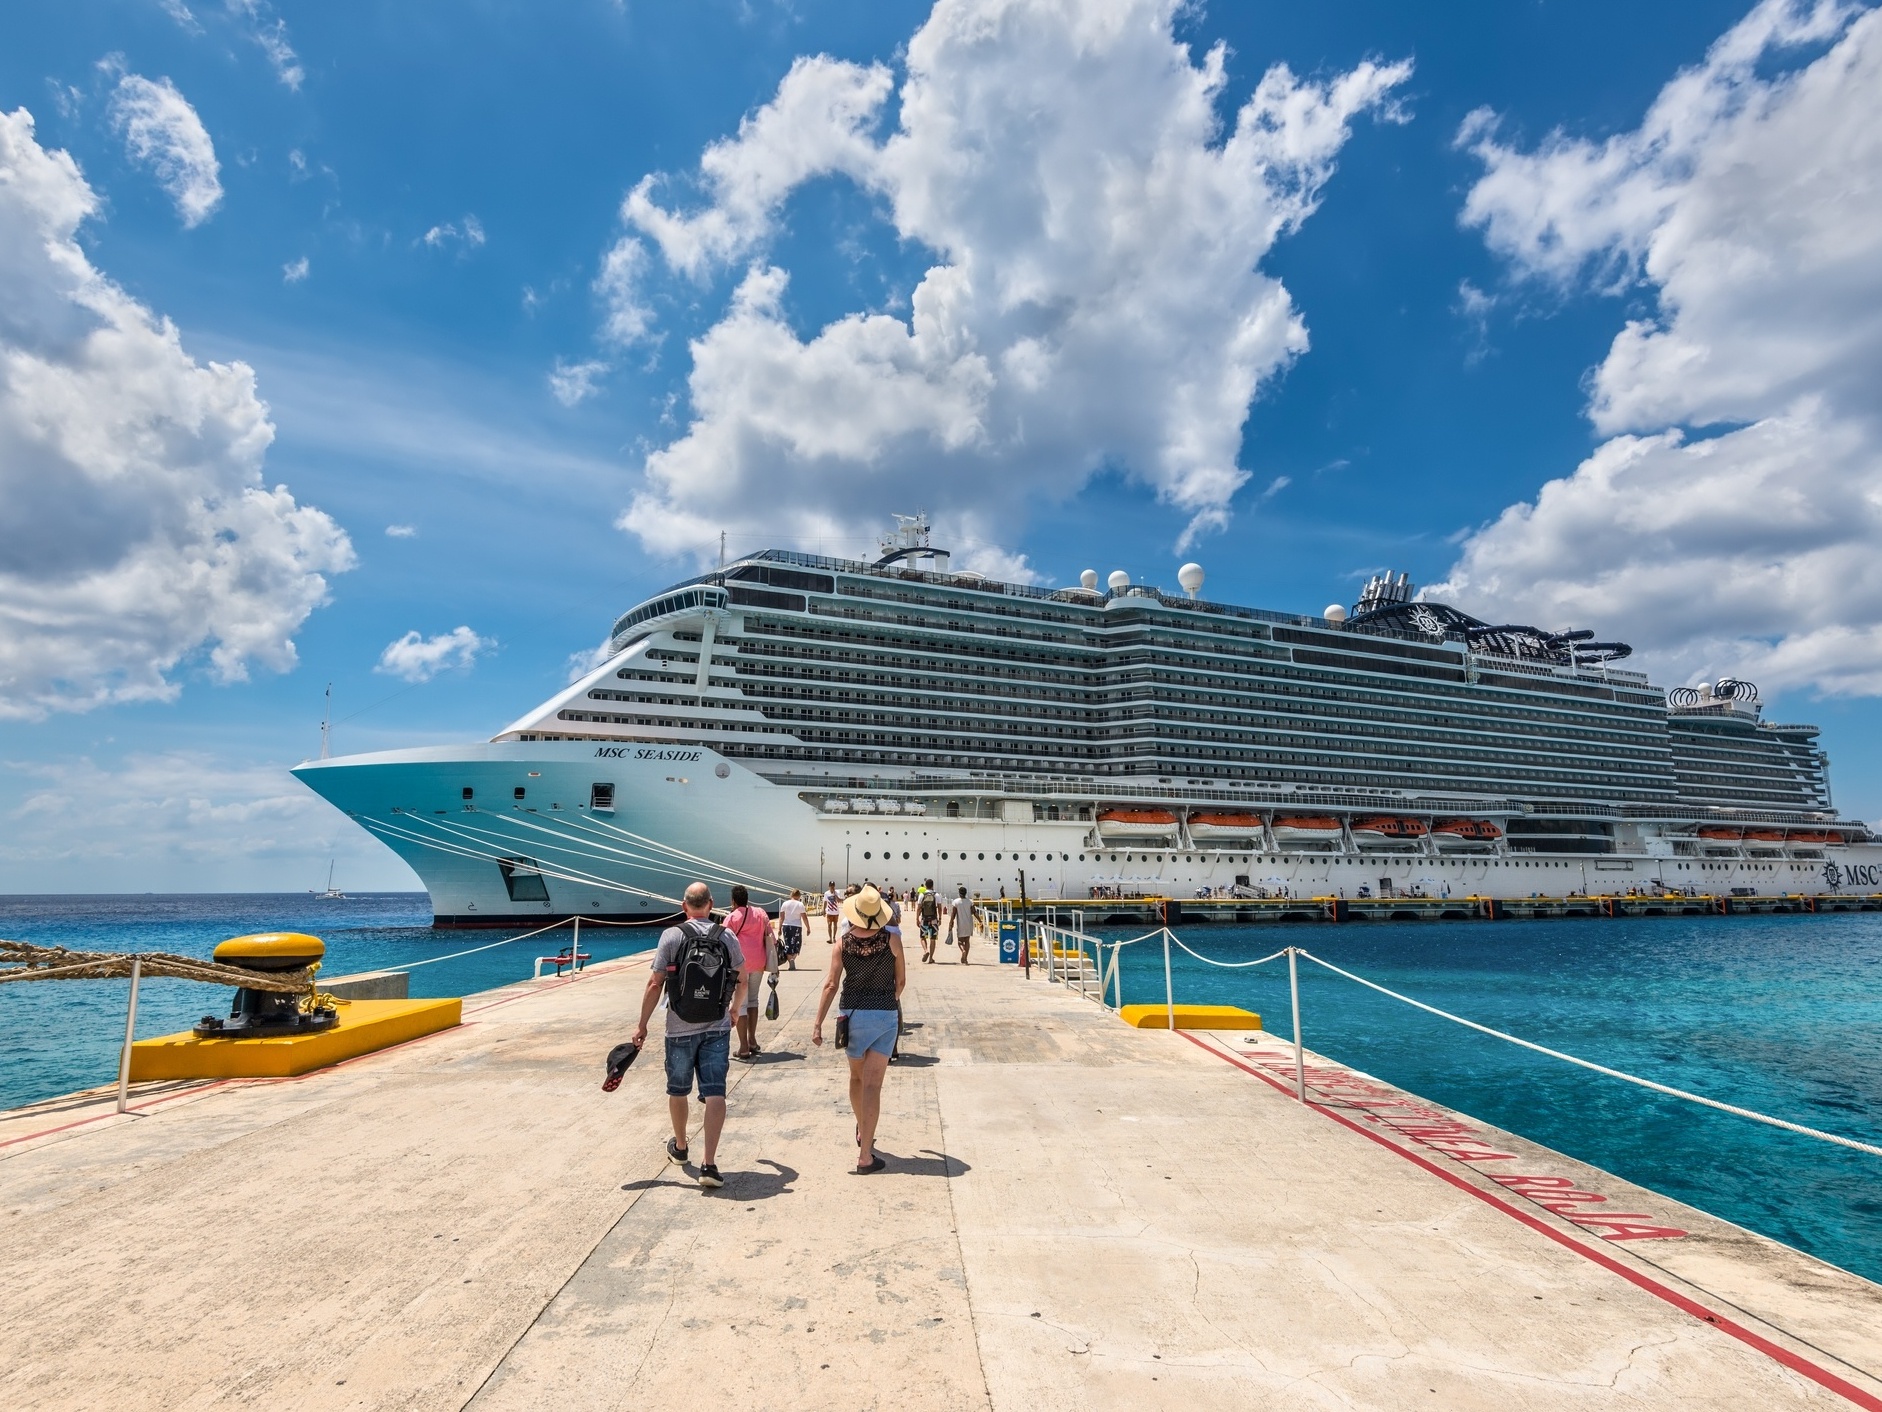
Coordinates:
[794,720]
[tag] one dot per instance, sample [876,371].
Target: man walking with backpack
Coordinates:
[697,966]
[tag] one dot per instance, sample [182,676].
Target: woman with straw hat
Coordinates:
[869,968]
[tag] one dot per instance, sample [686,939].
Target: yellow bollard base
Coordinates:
[365,1025]
[1190,1017]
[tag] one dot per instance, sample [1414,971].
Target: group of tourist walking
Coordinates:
[711,974]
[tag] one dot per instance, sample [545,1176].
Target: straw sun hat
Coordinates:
[866,911]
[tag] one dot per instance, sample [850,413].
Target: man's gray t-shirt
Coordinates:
[665,957]
[963,913]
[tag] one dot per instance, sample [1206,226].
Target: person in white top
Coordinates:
[791,927]
[832,908]
[961,923]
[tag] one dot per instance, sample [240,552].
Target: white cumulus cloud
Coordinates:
[417,658]
[295,271]
[135,528]
[401,531]
[1730,523]
[573,383]
[1094,299]
[161,131]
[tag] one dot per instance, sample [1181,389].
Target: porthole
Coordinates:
[869,855]
[1081,857]
[983,857]
[924,857]
[905,857]
[1032,857]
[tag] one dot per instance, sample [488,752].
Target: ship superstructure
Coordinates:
[794,719]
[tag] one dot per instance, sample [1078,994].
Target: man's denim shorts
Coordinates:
[708,1055]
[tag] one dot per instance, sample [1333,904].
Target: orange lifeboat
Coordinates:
[1137,823]
[1216,823]
[1721,833]
[1305,828]
[1814,838]
[1386,829]
[1460,833]
[1764,835]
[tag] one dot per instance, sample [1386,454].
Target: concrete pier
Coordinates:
[1076,1214]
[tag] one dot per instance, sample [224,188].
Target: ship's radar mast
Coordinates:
[911,543]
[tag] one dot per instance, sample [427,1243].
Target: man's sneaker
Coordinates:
[675,1152]
[709,1175]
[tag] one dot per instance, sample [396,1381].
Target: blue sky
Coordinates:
[454,182]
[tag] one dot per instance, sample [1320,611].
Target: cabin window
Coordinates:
[519,791]
[468,791]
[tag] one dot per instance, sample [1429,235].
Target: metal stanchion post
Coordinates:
[130,1033]
[1300,1062]
[575,949]
[1169,986]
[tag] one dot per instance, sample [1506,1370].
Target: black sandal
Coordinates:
[876,1164]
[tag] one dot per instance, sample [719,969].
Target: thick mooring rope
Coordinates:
[22,961]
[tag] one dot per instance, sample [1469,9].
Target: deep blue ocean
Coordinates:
[1779,1014]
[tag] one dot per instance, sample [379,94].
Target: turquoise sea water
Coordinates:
[1778,1014]
[58,1036]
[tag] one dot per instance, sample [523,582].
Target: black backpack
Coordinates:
[704,974]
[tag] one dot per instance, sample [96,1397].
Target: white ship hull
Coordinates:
[683,812]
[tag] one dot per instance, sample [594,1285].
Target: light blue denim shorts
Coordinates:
[873,1029]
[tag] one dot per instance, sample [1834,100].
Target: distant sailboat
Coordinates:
[331,891]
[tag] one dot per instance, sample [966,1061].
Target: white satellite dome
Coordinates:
[1335,613]
[1089,579]
[1119,580]
[1190,576]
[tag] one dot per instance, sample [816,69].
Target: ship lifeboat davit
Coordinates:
[1210,825]
[1137,823]
[1465,833]
[1385,830]
[1304,828]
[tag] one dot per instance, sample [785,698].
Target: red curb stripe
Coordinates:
[1823,1377]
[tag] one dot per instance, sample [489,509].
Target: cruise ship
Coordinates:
[794,720]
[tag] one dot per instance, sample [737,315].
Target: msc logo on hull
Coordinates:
[1853,875]
[622,752]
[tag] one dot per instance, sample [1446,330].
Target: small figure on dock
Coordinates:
[697,966]
[752,928]
[791,928]
[961,923]
[928,914]
[870,970]
[832,909]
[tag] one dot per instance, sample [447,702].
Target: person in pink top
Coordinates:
[752,926]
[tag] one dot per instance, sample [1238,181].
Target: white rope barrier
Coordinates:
[1667,1089]
[1230,965]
